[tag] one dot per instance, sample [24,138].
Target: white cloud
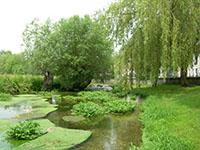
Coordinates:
[15,14]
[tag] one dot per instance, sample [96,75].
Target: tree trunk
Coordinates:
[48,80]
[183,77]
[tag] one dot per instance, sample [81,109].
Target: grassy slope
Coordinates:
[171,118]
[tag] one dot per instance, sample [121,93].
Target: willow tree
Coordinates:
[179,31]
[169,33]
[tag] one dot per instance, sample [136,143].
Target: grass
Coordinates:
[171,118]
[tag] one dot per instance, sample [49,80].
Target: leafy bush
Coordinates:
[22,84]
[25,130]
[88,109]
[119,91]
[120,106]
[96,96]
[5,97]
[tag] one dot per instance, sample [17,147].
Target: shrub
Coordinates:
[25,130]
[5,97]
[96,96]
[120,106]
[18,84]
[22,84]
[119,91]
[88,109]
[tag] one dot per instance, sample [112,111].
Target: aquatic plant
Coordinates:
[25,130]
[96,96]
[88,109]
[119,106]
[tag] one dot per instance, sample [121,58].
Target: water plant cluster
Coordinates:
[98,103]
[25,130]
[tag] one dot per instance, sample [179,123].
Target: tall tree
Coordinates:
[39,45]
[84,52]
[76,50]
[169,30]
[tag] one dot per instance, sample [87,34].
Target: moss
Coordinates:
[59,138]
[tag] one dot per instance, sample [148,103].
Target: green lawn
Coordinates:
[171,118]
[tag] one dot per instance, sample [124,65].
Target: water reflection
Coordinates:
[111,133]
[9,111]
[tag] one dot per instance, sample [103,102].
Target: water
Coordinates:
[114,132]
[6,144]
[9,111]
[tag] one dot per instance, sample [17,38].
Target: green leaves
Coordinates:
[26,130]
[120,106]
[74,49]
[88,110]
[5,97]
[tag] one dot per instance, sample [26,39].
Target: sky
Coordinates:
[16,14]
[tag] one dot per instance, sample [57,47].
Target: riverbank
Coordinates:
[171,118]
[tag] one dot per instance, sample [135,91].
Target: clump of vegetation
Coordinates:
[5,97]
[96,96]
[120,106]
[119,91]
[25,131]
[88,109]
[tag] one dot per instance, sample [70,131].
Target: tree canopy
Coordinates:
[76,50]
[159,35]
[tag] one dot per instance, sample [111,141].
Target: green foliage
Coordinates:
[22,84]
[15,64]
[119,106]
[88,110]
[71,49]
[153,35]
[133,147]
[5,97]
[96,96]
[16,84]
[25,131]
[119,91]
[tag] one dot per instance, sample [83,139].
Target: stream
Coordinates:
[113,132]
